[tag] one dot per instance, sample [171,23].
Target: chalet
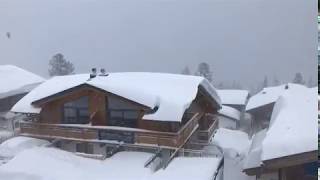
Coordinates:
[15,83]
[234,98]
[260,106]
[85,112]
[287,149]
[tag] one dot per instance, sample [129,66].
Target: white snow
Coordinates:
[293,126]
[267,96]
[15,145]
[172,93]
[233,97]
[231,141]
[253,158]
[44,163]
[189,168]
[230,112]
[15,80]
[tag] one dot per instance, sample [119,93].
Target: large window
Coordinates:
[76,112]
[121,113]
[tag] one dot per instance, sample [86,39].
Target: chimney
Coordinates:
[103,72]
[93,73]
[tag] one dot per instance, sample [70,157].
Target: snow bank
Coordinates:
[293,126]
[53,164]
[45,163]
[15,80]
[268,95]
[230,112]
[171,93]
[189,168]
[231,141]
[15,145]
[233,97]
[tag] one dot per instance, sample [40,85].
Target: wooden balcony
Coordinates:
[111,134]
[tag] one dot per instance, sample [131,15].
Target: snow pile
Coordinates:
[235,145]
[293,126]
[53,164]
[15,80]
[268,95]
[231,141]
[189,168]
[171,93]
[15,145]
[44,163]
[230,112]
[233,97]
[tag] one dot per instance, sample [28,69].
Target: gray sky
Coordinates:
[243,40]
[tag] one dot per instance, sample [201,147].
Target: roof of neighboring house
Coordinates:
[230,112]
[170,94]
[267,96]
[292,129]
[233,97]
[15,80]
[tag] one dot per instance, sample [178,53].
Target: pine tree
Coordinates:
[265,82]
[186,71]
[298,79]
[59,66]
[204,71]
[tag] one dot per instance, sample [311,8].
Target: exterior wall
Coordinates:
[228,123]
[7,103]
[269,176]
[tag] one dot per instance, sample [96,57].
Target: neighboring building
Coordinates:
[287,149]
[229,118]
[260,106]
[15,83]
[85,112]
[234,98]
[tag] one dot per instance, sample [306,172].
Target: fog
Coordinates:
[242,40]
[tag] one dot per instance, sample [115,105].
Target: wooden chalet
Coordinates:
[133,109]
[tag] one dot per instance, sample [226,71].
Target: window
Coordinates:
[76,112]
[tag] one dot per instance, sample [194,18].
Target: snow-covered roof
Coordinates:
[230,112]
[171,93]
[293,126]
[233,97]
[267,96]
[15,80]
[292,130]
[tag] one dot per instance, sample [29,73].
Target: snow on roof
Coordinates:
[233,96]
[267,96]
[189,168]
[231,140]
[230,112]
[293,126]
[15,80]
[253,158]
[171,93]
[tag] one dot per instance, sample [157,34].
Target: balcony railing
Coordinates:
[111,133]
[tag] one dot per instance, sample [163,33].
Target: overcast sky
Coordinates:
[242,40]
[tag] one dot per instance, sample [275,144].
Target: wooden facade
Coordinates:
[101,125]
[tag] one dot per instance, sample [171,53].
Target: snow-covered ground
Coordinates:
[33,161]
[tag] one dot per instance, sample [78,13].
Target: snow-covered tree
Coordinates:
[58,66]
[298,79]
[186,71]
[204,71]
